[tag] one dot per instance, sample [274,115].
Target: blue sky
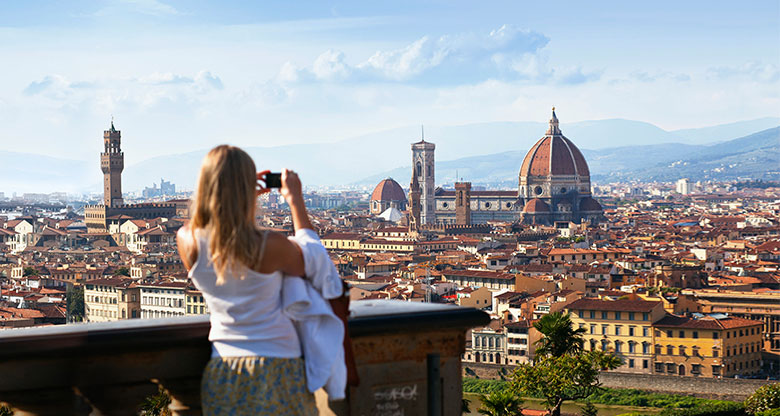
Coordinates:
[185,75]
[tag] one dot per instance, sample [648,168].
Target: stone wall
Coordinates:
[725,389]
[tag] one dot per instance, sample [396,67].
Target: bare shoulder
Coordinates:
[281,254]
[188,250]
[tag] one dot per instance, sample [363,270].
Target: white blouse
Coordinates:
[246,314]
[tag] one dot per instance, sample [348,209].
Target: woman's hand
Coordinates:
[293,194]
[291,188]
[261,177]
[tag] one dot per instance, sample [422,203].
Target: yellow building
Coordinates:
[622,326]
[195,305]
[710,346]
[111,299]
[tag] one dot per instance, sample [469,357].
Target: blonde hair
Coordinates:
[224,205]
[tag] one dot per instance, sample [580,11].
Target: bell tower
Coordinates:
[112,162]
[423,170]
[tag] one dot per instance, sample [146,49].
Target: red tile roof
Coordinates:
[623,305]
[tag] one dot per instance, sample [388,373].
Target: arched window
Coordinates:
[490,342]
[419,168]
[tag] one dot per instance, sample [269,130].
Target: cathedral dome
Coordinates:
[554,155]
[388,190]
[536,205]
[590,204]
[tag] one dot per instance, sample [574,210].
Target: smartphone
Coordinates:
[273,180]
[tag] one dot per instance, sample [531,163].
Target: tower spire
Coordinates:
[422,132]
[554,129]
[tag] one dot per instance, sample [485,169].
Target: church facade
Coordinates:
[553,185]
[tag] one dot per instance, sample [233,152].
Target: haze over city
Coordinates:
[182,76]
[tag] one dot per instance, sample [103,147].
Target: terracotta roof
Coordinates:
[554,155]
[536,205]
[706,322]
[613,305]
[590,204]
[479,273]
[388,190]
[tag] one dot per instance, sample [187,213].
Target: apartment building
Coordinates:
[195,303]
[163,299]
[111,299]
[621,326]
[520,339]
[714,345]
[488,345]
[753,305]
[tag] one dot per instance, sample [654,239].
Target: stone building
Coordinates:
[554,185]
[112,161]
[387,194]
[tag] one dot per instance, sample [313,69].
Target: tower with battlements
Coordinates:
[112,162]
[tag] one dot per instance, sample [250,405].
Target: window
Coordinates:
[696,334]
[670,334]
[631,316]
[645,364]
[631,347]
[682,350]
[695,369]
[617,329]
[631,331]
[617,316]
[659,367]
[645,348]
[645,331]
[645,316]
[715,335]
[604,329]
[715,370]
[682,334]
[669,350]
[715,352]
[603,314]
[618,347]
[592,314]
[671,368]
[630,363]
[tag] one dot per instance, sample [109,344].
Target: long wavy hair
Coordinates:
[224,206]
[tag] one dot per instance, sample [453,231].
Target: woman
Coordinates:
[256,366]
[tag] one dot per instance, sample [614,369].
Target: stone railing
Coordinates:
[408,358]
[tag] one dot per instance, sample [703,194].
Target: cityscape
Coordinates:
[480,256]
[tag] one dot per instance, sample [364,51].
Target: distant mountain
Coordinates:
[756,156]
[722,132]
[490,152]
[26,172]
[346,161]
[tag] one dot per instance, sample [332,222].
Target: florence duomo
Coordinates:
[553,185]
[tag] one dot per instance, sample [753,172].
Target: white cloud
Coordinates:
[507,53]
[147,7]
[753,70]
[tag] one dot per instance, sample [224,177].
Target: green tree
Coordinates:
[501,403]
[564,377]
[464,406]
[75,303]
[31,271]
[122,271]
[559,335]
[588,409]
[765,398]
[157,404]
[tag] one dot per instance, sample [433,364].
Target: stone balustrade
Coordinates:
[408,358]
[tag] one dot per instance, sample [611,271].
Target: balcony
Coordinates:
[109,368]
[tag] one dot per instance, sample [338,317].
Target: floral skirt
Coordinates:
[256,386]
